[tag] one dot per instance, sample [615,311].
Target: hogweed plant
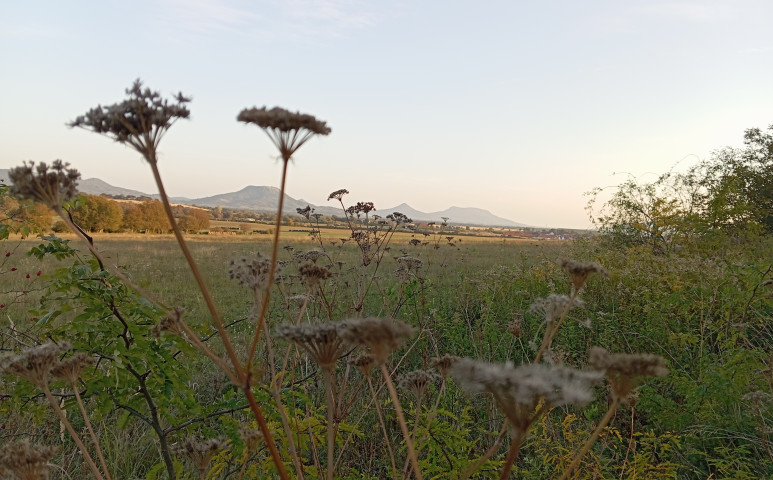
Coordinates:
[324,325]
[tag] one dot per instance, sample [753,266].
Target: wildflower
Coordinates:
[518,391]
[311,255]
[250,436]
[364,361]
[417,382]
[322,342]
[34,364]
[171,323]
[338,194]
[410,263]
[286,129]
[444,363]
[515,326]
[381,335]
[313,274]
[623,370]
[140,120]
[553,306]
[51,186]
[200,452]
[579,272]
[71,368]
[252,273]
[25,460]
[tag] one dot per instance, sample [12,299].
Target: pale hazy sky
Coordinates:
[515,107]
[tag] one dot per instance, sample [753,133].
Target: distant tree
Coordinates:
[148,216]
[194,220]
[730,193]
[96,214]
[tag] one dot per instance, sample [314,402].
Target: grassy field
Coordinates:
[473,298]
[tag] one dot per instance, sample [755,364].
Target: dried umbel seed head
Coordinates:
[323,342]
[71,368]
[310,256]
[399,218]
[380,335]
[34,364]
[200,451]
[518,390]
[624,370]
[410,263]
[252,272]
[25,460]
[443,363]
[338,194]
[140,120]
[312,274]
[364,361]
[515,327]
[171,323]
[51,186]
[579,272]
[554,306]
[286,129]
[417,382]
[252,437]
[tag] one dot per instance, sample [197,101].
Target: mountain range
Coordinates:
[265,198]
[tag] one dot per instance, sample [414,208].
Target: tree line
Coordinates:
[729,194]
[95,213]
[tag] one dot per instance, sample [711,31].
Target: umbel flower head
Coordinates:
[380,335]
[35,364]
[51,186]
[579,272]
[288,130]
[71,368]
[518,390]
[140,121]
[417,382]
[322,342]
[252,273]
[200,451]
[554,306]
[25,460]
[624,370]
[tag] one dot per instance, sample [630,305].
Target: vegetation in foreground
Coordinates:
[382,355]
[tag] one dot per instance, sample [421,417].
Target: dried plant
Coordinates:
[524,393]
[200,452]
[26,461]
[51,186]
[623,372]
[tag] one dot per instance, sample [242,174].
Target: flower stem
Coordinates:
[603,423]
[512,455]
[71,431]
[91,431]
[401,420]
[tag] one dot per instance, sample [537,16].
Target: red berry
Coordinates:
[2,305]
[7,254]
[28,275]
[13,269]
[39,273]
[32,319]
[2,427]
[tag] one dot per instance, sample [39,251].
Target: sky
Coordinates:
[515,107]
